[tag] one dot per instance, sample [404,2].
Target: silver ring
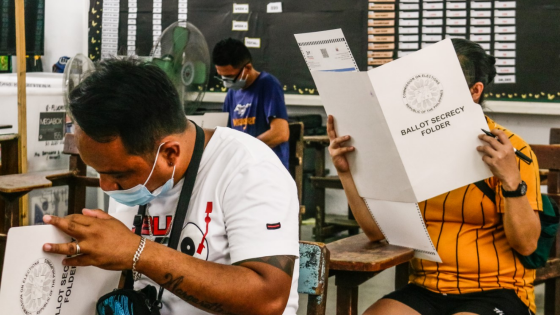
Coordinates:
[78,251]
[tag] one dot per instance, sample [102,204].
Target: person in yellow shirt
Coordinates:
[478,240]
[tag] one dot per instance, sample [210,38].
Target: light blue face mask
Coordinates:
[139,194]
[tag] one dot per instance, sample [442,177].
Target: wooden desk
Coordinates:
[13,187]
[354,260]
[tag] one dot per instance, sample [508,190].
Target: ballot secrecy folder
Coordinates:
[413,123]
[415,129]
[36,282]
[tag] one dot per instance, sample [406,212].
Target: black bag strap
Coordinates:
[139,219]
[186,191]
[485,188]
[182,205]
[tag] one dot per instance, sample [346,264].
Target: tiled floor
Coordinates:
[374,289]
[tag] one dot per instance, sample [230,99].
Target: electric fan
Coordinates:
[182,53]
[76,70]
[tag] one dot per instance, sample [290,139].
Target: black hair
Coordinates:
[232,52]
[477,65]
[129,99]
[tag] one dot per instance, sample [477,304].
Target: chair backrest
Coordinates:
[548,157]
[295,160]
[314,275]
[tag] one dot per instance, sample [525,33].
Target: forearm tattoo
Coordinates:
[173,284]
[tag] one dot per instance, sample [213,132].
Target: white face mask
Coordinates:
[139,194]
[236,83]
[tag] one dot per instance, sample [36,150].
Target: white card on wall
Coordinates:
[252,42]
[240,8]
[274,7]
[240,26]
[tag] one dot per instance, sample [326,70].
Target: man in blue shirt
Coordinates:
[255,100]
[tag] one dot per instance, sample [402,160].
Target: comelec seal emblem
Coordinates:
[422,93]
[37,287]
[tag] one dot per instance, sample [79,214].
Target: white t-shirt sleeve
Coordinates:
[260,208]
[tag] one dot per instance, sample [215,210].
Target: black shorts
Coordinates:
[491,302]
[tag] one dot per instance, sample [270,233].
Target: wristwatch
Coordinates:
[519,192]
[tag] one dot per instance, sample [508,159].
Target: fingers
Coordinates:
[488,160]
[487,150]
[97,213]
[493,142]
[341,151]
[502,162]
[78,261]
[498,147]
[330,128]
[68,249]
[337,142]
[499,142]
[335,148]
[502,137]
[73,225]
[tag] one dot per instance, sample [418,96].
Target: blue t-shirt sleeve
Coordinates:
[275,106]
[227,107]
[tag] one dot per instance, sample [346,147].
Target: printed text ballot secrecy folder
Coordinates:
[415,129]
[35,282]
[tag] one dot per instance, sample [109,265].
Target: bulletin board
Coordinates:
[522,34]
[537,54]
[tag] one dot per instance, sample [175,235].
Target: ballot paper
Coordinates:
[326,51]
[401,224]
[415,130]
[35,282]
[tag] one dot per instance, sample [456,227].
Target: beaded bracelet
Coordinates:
[135,274]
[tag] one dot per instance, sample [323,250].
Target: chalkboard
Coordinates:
[522,34]
[34,27]
[278,53]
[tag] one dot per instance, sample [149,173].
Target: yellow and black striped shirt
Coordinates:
[467,229]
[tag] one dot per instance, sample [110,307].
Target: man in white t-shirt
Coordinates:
[238,248]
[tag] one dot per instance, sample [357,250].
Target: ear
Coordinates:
[170,152]
[476,91]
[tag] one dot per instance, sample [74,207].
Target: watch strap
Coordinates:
[519,192]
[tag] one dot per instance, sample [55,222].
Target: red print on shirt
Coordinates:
[207,220]
[155,225]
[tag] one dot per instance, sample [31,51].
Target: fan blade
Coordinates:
[166,66]
[180,39]
[199,72]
